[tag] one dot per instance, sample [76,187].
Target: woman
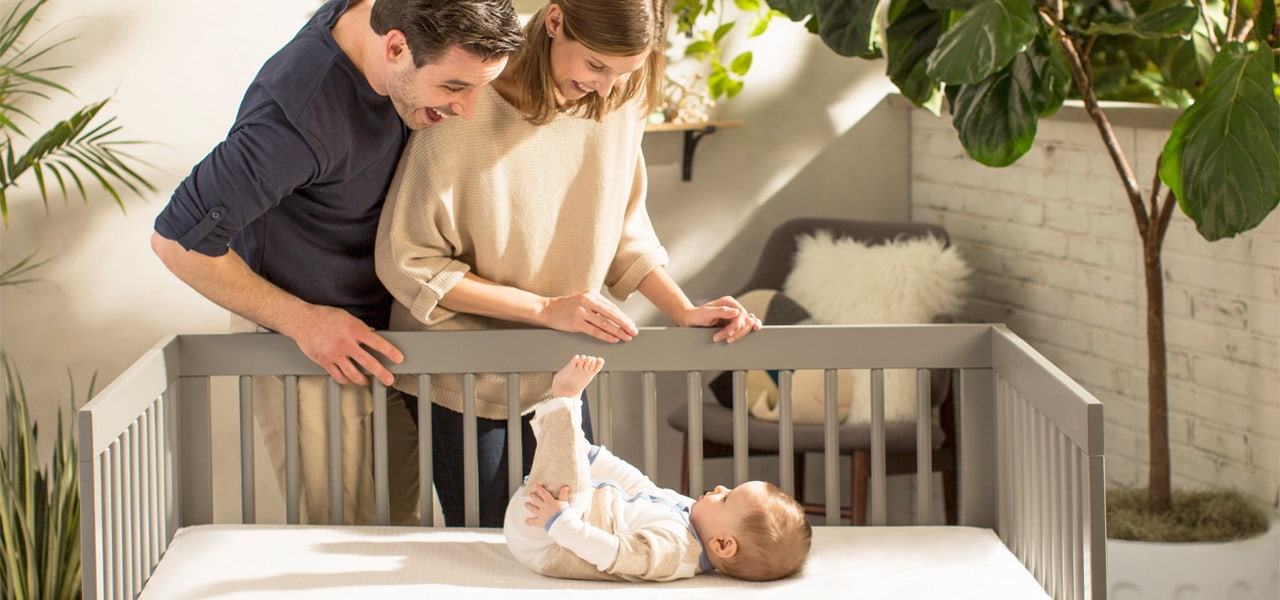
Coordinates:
[515,217]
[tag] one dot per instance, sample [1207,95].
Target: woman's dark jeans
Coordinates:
[491,451]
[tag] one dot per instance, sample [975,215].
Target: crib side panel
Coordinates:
[125,456]
[1049,488]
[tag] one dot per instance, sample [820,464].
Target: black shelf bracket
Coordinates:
[691,139]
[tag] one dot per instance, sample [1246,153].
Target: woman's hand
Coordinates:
[589,313]
[543,506]
[726,313]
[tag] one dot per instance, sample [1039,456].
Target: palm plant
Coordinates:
[80,147]
[40,503]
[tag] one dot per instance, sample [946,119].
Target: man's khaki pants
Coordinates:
[357,449]
[357,446]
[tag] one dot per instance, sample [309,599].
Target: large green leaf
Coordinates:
[1184,62]
[796,10]
[912,34]
[997,117]
[849,27]
[1161,21]
[1266,14]
[958,5]
[983,41]
[1222,160]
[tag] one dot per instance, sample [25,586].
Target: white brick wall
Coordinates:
[1056,256]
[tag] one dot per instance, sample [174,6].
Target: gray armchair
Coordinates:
[855,438]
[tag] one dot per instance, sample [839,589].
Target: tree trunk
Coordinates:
[1159,492]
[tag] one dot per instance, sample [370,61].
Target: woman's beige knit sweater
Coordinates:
[555,210]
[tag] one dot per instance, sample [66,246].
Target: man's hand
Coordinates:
[342,344]
[589,313]
[543,506]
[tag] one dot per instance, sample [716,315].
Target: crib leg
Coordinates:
[861,468]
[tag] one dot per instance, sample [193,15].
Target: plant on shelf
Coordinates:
[40,504]
[1002,65]
[705,24]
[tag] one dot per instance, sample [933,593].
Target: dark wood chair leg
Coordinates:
[684,466]
[859,479]
[949,497]
[798,469]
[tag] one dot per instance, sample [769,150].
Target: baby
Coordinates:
[610,522]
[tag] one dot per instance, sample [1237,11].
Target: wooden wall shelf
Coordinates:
[693,133]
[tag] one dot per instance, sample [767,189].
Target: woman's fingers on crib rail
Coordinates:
[729,315]
[589,313]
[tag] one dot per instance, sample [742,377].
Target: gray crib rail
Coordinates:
[1030,440]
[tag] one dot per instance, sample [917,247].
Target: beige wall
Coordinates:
[815,130]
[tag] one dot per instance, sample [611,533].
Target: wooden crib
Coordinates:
[1030,462]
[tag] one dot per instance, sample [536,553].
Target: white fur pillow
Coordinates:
[843,281]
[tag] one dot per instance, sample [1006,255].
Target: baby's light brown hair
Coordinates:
[773,542]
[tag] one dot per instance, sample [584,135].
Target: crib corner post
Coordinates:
[195,452]
[977,460]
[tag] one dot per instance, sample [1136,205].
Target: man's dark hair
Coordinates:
[485,28]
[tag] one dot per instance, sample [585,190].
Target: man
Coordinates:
[277,224]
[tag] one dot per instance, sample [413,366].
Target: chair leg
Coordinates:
[861,467]
[949,494]
[684,466]
[798,469]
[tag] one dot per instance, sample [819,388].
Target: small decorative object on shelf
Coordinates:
[684,100]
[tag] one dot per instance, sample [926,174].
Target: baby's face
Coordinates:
[720,511]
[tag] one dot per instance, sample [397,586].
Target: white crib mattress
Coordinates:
[277,562]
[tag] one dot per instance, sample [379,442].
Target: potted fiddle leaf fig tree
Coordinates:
[1002,65]
[40,500]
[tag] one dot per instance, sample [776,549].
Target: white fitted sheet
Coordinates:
[313,562]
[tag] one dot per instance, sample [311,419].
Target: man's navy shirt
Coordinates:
[297,187]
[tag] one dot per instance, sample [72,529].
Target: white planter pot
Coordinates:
[1242,570]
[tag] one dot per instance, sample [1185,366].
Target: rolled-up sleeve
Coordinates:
[639,251]
[417,243]
[263,159]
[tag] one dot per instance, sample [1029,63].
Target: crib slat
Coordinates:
[333,423]
[107,547]
[381,485]
[693,386]
[605,405]
[145,480]
[119,520]
[127,531]
[831,448]
[426,466]
[649,394]
[136,506]
[153,482]
[292,463]
[740,448]
[515,445]
[879,495]
[786,434]
[470,460]
[1002,462]
[248,493]
[172,506]
[924,449]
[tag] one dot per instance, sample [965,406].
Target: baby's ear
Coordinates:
[724,546]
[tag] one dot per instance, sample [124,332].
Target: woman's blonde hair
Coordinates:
[773,542]
[609,27]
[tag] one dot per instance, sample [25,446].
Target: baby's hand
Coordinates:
[543,506]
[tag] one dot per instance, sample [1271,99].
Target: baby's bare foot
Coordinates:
[574,377]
